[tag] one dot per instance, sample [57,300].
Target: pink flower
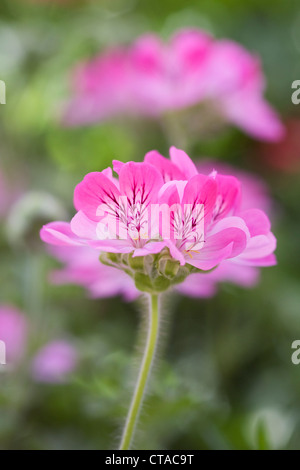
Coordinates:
[150,78]
[13,332]
[231,234]
[54,362]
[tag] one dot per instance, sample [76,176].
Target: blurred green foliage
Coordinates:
[225,379]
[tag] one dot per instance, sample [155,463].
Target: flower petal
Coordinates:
[167,169]
[228,241]
[258,247]
[84,227]
[60,233]
[96,191]
[257,222]
[183,162]
[140,182]
[151,247]
[255,116]
[201,190]
[229,192]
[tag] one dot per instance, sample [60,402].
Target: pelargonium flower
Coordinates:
[13,332]
[154,257]
[82,267]
[150,78]
[54,362]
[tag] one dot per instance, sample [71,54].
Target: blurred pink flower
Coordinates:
[51,364]
[54,362]
[13,331]
[206,285]
[151,78]
[82,267]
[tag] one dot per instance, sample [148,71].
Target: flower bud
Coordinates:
[169,267]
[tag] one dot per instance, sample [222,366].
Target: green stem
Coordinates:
[137,400]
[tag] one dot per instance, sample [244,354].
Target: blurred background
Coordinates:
[225,379]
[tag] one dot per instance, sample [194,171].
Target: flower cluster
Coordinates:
[150,78]
[160,221]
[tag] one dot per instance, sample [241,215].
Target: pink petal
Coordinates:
[255,116]
[146,55]
[94,191]
[112,246]
[175,253]
[183,162]
[228,241]
[117,165]
[212,256]
[140,182]
[151,247]
[191,48]
[166,168]
[257,222]
[240,233]
[258,247]
[266,261]
[198,286]
[229,192]
[201,189]
[172,192]
[84,227]
[59,233]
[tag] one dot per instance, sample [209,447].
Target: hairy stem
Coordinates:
[145,370]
